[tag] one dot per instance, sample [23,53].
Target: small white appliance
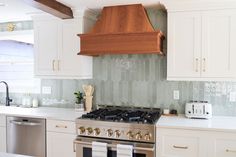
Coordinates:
[198,110]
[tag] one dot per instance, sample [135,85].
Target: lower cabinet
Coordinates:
[60,145]
[3,133]
[60,137]
[194,143]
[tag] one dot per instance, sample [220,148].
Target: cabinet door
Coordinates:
[46,46]
[180,143]
[2,139]
[71,64]
[184,45]
[222,144]
[218,50]
[60,145]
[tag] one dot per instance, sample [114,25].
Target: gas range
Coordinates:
[119,123]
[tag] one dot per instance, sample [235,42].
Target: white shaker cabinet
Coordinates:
[218,44]
[69,63]
[184,45]
[56,47]
[195,143]
[46,44]
[2,133]
[60,137]
[201,45]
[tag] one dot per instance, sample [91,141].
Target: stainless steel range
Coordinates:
[118,125]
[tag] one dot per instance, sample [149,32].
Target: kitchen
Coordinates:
[171,73]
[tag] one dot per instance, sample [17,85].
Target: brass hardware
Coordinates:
[74,146]
[230,151]
[109,132]
[89,131]
[130,135]
[147,136]
[180,147]
[97,131]
[204,65]
[53,65]
[82,130]
[61,126]
[138,136]
[196,64]
[58,65]
[117,133]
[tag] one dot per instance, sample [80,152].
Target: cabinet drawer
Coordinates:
[2,120]
[61,126]
[180,146]
[225,148]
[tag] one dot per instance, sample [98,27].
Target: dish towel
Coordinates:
[99,149]
[124,150]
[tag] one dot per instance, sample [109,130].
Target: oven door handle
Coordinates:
[112,146]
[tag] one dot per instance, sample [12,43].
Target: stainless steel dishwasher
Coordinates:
[26,136]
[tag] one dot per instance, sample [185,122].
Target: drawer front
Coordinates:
[225,148]
[2,120]
[61,126]
[180,146]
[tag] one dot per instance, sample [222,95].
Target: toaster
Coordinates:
[198,110]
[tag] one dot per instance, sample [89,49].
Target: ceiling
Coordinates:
[15,10]
[99,4]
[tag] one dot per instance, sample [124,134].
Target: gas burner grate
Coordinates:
[124,115]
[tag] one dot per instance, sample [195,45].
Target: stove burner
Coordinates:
[131,115]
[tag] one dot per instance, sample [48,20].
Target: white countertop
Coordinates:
[42,112]
[11,155]
[217,123]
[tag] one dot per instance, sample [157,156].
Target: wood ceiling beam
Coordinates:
[52,7]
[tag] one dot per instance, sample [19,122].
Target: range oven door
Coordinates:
[83,147]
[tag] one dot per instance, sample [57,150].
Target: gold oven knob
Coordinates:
[109,132]
[130,134]
[138,136]
[97,131]
[117,133]
[81,130]
[89,131]
[148,136]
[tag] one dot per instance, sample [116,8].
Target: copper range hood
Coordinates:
[122,29]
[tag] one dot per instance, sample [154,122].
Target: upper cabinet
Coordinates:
[201,45]
[57,45]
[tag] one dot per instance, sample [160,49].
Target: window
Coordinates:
[17,67]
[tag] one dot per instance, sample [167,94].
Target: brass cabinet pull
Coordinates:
[53,65]
[230,151]
[204,65]
[196,64]
[58,65]
[61,126]
[180,147]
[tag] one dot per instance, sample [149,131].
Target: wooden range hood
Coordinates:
[122,30]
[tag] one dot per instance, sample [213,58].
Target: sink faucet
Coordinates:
[8,100]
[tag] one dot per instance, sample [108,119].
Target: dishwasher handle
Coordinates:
[25,123]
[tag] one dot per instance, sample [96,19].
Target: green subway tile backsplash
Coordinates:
[140,80]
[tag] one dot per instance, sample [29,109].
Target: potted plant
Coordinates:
[79,103]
